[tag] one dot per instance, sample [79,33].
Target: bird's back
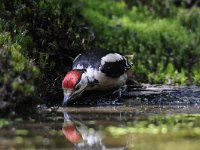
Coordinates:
[91,58]
[110,63]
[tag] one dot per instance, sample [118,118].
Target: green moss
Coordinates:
[17,74]
[190,18]
[164,45]
[38,41]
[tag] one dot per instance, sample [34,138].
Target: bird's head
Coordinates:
[73,85]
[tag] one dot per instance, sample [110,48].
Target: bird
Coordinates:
[95,69]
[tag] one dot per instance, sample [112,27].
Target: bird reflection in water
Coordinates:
[83,136]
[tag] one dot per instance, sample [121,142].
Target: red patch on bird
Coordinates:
[71,133]
[71,79]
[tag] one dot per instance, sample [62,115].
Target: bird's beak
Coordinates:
[67,97]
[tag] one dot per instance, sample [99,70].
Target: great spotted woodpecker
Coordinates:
[96,69]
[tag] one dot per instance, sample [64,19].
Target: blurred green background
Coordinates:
[40,38]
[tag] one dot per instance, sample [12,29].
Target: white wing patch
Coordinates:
[104,82]
[111,58]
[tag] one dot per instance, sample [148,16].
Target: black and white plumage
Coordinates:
[100,69]
[111,63]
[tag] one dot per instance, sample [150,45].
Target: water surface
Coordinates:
[151,118]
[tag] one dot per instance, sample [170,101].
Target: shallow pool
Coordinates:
[152,118]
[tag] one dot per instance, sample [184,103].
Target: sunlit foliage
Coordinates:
[164,38]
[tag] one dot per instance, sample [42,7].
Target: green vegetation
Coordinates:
[4,122]
[39,39]
[17,73]
[165,41]
[161,125]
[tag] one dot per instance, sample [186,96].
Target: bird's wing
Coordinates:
[91,58]
[114,65]
[110,63]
